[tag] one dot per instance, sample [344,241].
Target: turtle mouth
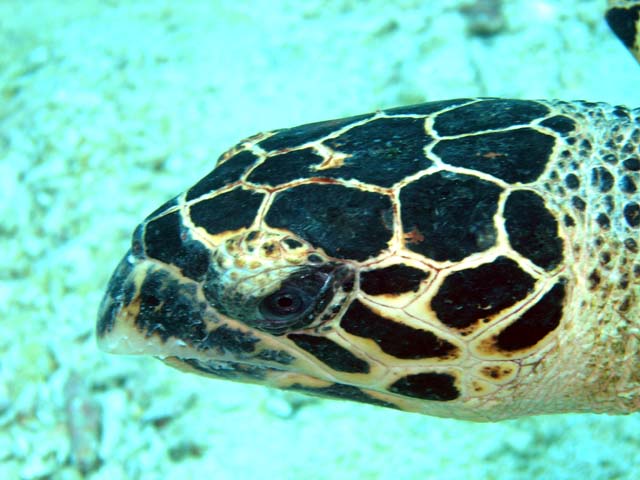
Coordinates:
[230,370]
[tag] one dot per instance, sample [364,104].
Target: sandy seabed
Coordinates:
[108,108]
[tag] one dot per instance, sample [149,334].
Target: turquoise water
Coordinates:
[108,108]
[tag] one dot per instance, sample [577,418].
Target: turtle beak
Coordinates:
[113,314]
[149,309]
[118,329]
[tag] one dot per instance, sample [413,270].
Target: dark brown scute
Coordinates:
[428,386]
[396,339]
[228,211]
[344,222]
[449,216]
[467,296]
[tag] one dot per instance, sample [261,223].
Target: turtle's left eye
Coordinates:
[296,304]
[300,299]
[285,303]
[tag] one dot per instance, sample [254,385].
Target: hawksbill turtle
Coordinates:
[474,258]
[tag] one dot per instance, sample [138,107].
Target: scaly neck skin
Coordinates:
[602,341]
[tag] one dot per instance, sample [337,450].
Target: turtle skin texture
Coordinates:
[468,258]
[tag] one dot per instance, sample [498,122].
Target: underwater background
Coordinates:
[108,108]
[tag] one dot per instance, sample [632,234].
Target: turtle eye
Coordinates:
[286,303]
[300,299]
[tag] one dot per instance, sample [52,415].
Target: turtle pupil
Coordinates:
[285,302]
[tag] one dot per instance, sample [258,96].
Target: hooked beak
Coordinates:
[146,311]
